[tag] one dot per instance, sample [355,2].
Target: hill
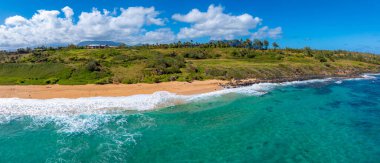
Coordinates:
[161,64]
[109,43]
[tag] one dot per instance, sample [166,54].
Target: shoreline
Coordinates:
[247,82]
[117,90]
[108,90]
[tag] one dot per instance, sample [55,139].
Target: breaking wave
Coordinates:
[85,114]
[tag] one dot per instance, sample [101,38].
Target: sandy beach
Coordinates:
[110,90]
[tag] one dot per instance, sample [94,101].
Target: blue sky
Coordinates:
[322,24]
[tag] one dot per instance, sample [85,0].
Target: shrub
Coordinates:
[166,64]
[93,66]
[279,57]
[197,54]
[243,53]
[105,80]
[308,51]
[173,78]
[192,69]
[251,55]
[322,59]
[52,81]
[215,72]
[20,81]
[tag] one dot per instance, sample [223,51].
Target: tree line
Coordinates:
[255,44]
[237,43]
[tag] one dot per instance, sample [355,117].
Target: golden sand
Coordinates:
[109,90]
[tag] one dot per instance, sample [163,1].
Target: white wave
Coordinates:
[86,114]
[102,105]
[339,82]
[367,76]
[372,74]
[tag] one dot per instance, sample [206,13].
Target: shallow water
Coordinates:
[318,121]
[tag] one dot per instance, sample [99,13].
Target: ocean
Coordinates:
[326,120]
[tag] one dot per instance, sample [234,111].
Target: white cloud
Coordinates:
[216,24]
[15,20]
[49,27]
[129,25]
[43,28]
[68,12]
[163,35]
[266,32]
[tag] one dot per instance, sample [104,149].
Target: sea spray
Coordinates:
[103,105]
[86,114]
[313,118]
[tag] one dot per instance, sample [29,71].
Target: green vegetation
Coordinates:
[236,59]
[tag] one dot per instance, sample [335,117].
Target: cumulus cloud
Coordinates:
[49,27]
[15,20]
[216,24]
[101,25]
[163,35]
[68,12]
[266,32]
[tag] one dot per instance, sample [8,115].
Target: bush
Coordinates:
[166,64]
[192,69]
[216,72]
[279,57]
[192,77]
[251,55]
[173,78]
[198,54]
[52,81]
[93,66]
[20,81]
[103,81]
[244,53]
[308,52]
[322,59]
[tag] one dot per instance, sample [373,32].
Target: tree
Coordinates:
[308,51]
[179,44]
[275,45]
[247,43]
[266,44]
[257,44]
[122,46]
[71,46]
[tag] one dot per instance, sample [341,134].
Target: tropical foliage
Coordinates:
[181,61]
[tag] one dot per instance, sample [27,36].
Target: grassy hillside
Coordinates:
[138,64]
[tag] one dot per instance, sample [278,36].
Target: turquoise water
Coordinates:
[316,122]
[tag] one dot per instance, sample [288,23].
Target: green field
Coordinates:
[150,65]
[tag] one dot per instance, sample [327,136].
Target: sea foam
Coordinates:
[143,102]
[84,114]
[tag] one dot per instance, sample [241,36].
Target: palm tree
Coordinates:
[257,44]
[275,45]
[179,44]
[247,43]
[266,44]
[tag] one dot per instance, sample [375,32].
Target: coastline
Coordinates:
[108,90]
[118,90]
[247,82]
